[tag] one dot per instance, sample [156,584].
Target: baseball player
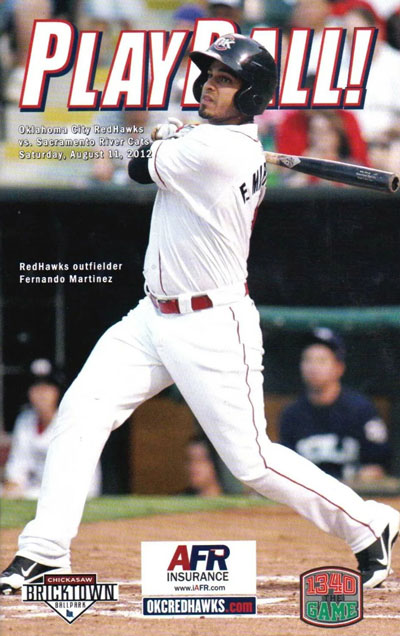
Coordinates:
[197,327]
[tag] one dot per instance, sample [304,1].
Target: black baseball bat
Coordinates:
[339,171]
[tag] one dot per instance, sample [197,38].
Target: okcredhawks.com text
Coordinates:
[199,606]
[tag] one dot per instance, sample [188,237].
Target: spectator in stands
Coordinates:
[277,13]
[393,28]
[379,152]
[226,9]
[110,18]
[311,15]
[336,428]
[183,18]
[201,465]
[4,17]
[271,118]
[341,7]
[382,8]
[382,104]
[301,132]
[384,151]
[31,436]
[314,15]
[394,150]
[66,9]
[325,134]
[18,18]
[120,13]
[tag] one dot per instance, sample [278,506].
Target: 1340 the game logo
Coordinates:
[331,597]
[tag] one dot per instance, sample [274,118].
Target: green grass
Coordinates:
[17,512]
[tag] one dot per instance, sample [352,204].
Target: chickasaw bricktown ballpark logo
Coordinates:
[331,597]
[198,578]
[70,595]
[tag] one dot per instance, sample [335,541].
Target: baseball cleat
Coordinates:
[374,561]
[22,570]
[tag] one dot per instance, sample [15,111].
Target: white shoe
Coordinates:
[22,570]
[374,561]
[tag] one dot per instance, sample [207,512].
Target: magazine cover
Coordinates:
[199,235]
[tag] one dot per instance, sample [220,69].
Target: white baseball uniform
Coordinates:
[210,184]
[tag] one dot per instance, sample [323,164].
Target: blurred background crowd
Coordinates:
[370,136]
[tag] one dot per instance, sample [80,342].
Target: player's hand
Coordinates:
[167,130]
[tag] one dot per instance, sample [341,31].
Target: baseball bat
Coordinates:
[338,171]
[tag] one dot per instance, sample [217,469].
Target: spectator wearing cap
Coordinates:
[33,429]
[226,10]
[186,15]
[335,427]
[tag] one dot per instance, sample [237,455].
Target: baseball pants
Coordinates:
[215,358]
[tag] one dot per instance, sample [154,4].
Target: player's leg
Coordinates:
[222,383]
[122,371]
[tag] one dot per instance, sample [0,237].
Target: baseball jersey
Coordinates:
[28,452]
[210,182]
[339,438]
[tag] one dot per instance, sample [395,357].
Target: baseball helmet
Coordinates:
[250,61]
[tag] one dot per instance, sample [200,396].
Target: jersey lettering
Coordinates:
[329,448]
[244,193]
[259,178]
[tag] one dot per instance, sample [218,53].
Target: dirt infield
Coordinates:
[286,546]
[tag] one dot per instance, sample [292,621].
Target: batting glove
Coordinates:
[167,130]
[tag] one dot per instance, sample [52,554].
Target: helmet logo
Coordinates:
[224,43]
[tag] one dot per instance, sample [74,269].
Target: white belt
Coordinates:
[187,303]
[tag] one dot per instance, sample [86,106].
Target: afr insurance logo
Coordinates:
[198,578]
[195,567]
[331,597]
[70,595]
[200,564]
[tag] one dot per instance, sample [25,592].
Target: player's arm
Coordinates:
[138,170]
[138,167]
[177,161]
